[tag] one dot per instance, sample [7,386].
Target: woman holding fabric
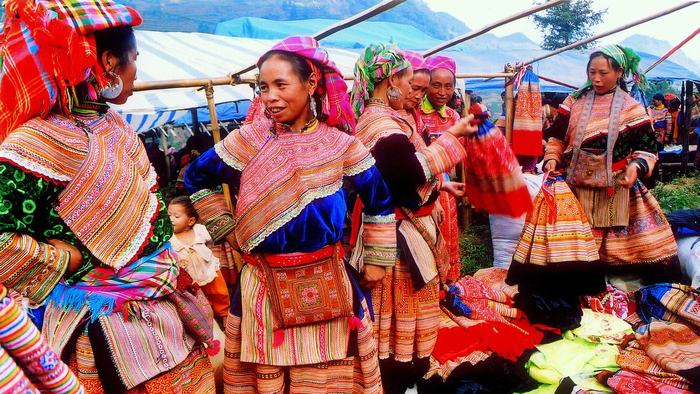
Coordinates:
[437,117]
[84,229]
[299,321]
[604,141]
[406,301]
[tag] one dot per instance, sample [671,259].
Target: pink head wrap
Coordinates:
[436,61]
[416,59]
[331,87]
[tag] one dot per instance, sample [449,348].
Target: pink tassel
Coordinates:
[355,323]
[214,348]
[277,338]
[611,191]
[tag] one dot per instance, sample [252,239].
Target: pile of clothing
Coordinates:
[664,354]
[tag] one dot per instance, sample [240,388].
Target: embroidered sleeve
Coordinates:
[24,343]
[209,171]
[32,268]
[442,155]
[379,235]
[214,213]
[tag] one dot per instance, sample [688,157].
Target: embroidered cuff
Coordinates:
[214,213]
[379,239]
[443,154]
[30,267]
[554,150]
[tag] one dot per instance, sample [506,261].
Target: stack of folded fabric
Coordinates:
[664,356]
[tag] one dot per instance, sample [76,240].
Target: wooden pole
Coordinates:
[510,108]
[353,20]
[230,80]
[609,32]
[466,205]
[487,28]
[216,133]
[164,144]
[685,130]
[557,82]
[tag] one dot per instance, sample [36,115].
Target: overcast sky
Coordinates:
[672,28]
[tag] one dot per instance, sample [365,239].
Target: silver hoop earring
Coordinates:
[393,93]
[312,105]
[113,90]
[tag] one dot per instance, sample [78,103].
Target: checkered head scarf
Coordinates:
[47,48]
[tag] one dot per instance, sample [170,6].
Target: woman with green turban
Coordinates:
[604,142]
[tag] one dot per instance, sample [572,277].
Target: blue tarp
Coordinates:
[224,112]
[487,53]
[355,37]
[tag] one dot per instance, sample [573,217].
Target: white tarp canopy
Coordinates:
[174,55]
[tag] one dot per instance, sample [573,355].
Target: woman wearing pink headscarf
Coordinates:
[406,301]
[437,117]
[299,321]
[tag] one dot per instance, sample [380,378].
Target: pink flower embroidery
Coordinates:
[309,295]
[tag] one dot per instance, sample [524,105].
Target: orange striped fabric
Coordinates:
[108,201]
[556,230]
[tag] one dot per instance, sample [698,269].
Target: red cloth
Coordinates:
[506,340]
[493,180]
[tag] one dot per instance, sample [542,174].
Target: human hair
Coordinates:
[302,67]
[659,96]
[612,63]
[422,71]
[184,201]
[118,40]
[675,103]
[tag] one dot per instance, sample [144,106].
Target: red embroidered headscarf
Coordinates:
[332,88]
[47,46]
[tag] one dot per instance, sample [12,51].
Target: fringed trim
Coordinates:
[227,157]
[361,166]
[72,298]
[33,168]
[142,238]
[427,173]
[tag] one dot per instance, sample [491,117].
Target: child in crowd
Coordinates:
[191,242]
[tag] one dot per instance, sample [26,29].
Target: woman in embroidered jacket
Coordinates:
[406,301]
[83,227]
[299,321]
[437,117]
[604,141]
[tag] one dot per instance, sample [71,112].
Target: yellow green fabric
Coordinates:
[428,108]
[580,354]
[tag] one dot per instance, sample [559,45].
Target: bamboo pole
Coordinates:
[609,32]
[673,50]
[216,133]
[353,20]
[557,82]
[487,28]
[510,108]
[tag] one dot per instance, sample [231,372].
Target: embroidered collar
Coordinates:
[428,108]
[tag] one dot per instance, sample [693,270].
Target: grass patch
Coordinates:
[680,193]
[475,248]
